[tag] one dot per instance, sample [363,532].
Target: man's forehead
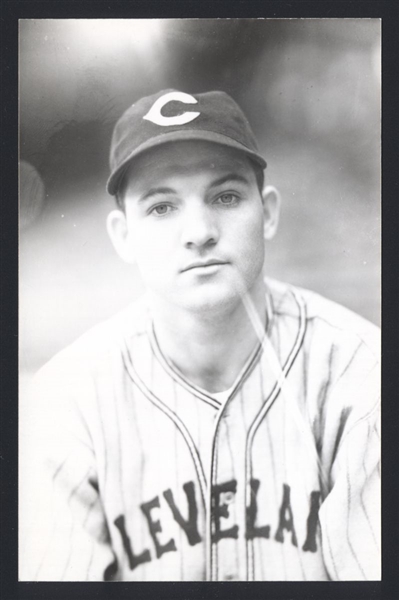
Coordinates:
[189,156]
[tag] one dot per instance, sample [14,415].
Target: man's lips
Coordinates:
[203,264]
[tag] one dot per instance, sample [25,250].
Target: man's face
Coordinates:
[194,217]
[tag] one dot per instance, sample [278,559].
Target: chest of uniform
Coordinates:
[245,508]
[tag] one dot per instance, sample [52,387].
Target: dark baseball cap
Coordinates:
[170,116]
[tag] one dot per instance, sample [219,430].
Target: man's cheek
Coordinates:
[145,244]
[252,244]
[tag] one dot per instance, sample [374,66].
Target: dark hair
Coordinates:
[120,193]
[260,176]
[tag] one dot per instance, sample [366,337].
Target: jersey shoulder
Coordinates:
[339,323]
[96,347]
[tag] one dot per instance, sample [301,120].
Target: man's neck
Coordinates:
[210,350]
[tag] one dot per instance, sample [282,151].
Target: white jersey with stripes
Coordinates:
[129,472]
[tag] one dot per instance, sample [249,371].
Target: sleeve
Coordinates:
[63,534]
[351,512]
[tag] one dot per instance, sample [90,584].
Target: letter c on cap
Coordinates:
[154,114]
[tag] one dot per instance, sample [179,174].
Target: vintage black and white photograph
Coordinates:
[199,299]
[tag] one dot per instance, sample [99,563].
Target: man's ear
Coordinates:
[271,208]
[120,236]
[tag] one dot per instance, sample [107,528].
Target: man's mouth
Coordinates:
[205,264]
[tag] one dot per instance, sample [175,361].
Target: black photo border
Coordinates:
[11,12]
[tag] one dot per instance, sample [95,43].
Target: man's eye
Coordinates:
[161,209]
[228,199]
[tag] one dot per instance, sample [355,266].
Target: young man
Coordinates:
[226,427]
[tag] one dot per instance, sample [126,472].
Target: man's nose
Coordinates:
[200,226]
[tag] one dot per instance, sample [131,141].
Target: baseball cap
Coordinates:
[170,116]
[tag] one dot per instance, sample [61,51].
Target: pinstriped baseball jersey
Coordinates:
[134,473]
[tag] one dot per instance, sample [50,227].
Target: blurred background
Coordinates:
[311,90]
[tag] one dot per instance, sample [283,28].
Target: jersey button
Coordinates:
[228,497]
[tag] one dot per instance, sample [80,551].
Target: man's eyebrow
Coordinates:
[155,191]
[235,177]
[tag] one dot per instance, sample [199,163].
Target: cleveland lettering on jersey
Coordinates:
[254,531]
[189,525]
[155,528]
[220,511]
[286,519]
[134,559]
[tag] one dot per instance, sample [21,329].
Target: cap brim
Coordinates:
[175,136]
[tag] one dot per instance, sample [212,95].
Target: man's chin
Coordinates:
[210,301]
